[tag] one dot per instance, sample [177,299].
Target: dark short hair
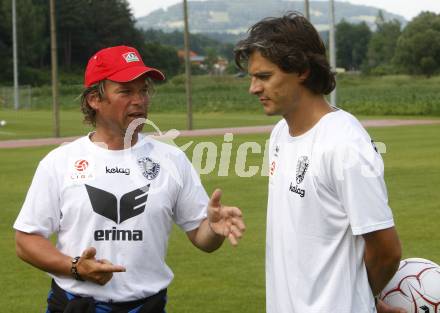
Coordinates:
[293,44]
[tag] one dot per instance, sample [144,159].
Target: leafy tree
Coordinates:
[199,43]
[87,26]
[211,59]
[382,45]
[351,44]
[418,48]
[161,57]
[31,42]
[5,43]
[72,31]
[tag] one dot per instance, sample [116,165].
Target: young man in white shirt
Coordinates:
[331,244]
[112,196]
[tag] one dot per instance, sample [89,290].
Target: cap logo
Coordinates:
[130,57]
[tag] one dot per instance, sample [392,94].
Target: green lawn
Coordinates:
[359,94]
[232,279]
[24,124]
[38,124]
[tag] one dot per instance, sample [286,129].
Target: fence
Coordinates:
[24,96]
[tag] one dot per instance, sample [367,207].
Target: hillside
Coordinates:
[235,17]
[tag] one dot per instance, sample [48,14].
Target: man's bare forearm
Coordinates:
[205,238]
[41,253]
[382,257]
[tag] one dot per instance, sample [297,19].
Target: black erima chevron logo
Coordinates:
[105,204]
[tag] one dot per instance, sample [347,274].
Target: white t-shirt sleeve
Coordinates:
[192,200]
[356,172]
[40,213]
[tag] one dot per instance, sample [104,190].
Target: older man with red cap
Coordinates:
[111,198]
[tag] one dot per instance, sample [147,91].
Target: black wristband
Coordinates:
[74,269]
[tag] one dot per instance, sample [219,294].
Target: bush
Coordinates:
[34,77]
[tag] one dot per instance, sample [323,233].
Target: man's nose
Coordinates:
[255,87]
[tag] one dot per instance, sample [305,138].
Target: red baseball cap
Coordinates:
[120,64]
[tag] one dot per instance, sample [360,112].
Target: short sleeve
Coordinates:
[192,200]
[356,172]
[40,213]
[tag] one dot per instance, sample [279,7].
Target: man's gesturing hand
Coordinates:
[97,271]
[224,220]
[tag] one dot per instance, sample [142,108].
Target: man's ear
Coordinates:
[304,75]
[93,100]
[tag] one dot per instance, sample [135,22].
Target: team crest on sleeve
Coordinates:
[301,168]
[149,168]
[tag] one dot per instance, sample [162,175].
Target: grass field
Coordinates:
[366,95]
[232,279]
[38,124]
[25,124]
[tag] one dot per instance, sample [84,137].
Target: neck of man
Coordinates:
[112,140]
[309,109]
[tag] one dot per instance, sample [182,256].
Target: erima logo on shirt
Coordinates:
[105,204]
[117,170]
[130,57]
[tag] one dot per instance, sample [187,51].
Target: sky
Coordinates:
[406,8]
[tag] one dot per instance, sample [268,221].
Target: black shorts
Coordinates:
[61,301]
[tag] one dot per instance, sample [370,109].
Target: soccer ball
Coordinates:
[415,287]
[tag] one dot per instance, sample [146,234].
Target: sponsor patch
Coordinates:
[296,189]
[128,206]
[117,170]
[130,57]
[80,170]
[81,165]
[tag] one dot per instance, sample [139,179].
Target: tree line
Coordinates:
[85,26]
[414,50]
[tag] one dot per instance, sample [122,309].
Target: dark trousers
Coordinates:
[61,301]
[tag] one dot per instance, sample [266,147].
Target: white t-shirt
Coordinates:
[123,203]
[326,188]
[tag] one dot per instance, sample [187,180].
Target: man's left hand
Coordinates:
[225,220]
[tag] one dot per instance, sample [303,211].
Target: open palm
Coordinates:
[225,220]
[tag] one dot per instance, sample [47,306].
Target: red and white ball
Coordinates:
[415,287]
[81,165]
